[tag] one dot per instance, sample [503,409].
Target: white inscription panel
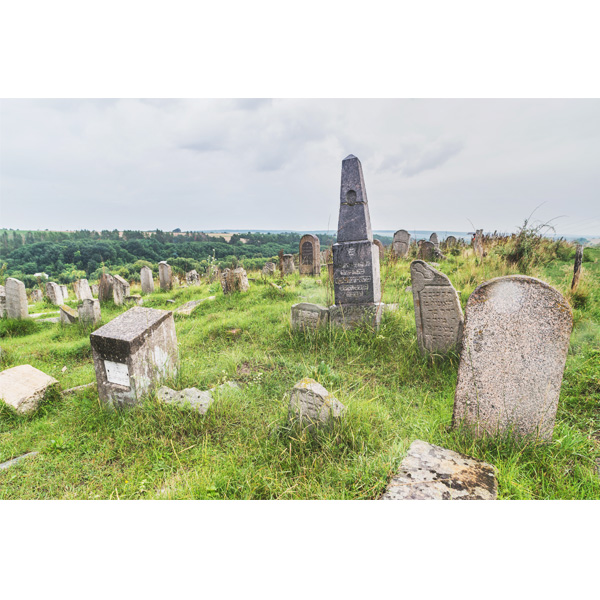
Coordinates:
[117,373]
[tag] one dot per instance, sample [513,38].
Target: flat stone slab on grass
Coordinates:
[193,397]
[24,387]
[430,472]
[188,308]
[14,461]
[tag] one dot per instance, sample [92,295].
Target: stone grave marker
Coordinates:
[95,289]
[514,349]
[381,248]
[450,241]
[65,292]
[165,275]
[147,279]
[280,255]
[433,238]
[89,311]
[234,280]
[68,315]
[2,301]
[54,293]
[37,295]
[16,299]
[310,255]
[192,277]
[311,405]
[24,387]
[401,243]
[478,243]
[427,251]
[269,269]
[438,314]
[121,289]
[288,264]
[356,280]
[577,267]
[136,298]
[105,287]
[309,316]
[132,353]
[82,290]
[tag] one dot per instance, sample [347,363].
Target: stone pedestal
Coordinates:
[350,316]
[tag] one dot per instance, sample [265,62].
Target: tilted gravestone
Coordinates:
[310,255]
[381,249]
[356,280]
[68,315]
[121,289]
[165,275]
[577,267]
[82,289]
[147,279]
[16,299]
[309,316]
[54,293]
[89,312]
[37,295]
[514,349]
[105,287]
[133,353]
[426,251]
[288,264]
[234,280]
[401,243]
[438,314]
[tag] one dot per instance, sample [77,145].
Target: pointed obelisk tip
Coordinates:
[350,156]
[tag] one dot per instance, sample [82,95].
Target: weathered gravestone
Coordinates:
[433,238]
[68,315]
[310,255]
[2,301]
[430,472]
[16,299]
[311,405]
[37,295]
[381,249]
[426,251]
[121,289]
[82,290]
[136,298]
[401,243]
[234,280]
[192,277]
[577,267]
[132,353]
[65,292]
[269,269]
[165,275]
[514,349]
[105,287]
[329,263]
[95,288]
[24,387]
[147,279]
[438,314]
[478,243]
[309,316]
[356,281]
[288,264]
[89,311]
[54,293]
[450,242]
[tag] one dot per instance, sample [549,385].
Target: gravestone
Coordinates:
[192,277]
[401,243]
[24,387]
[269,269]
[105,287]
[54,293]
[478,243]
[438,314]
[381,248]
[37,295]
[133,353]
[65,292]
[329,263]
[426,251]
[311,405]
[577,267]
[187,308]
[2,301]
[234,280]
[430,472]
[16,299]
[309,316]
[82,289]
[147,279]
[68,315]
[165,275]
[514,349]
[433,238]
[95,288]
[310,255]
[288,264]
[280,255]
[136,298]
[121,289]
[89,312]
[450,241]
[356,281]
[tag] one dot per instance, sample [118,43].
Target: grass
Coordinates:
[244,446]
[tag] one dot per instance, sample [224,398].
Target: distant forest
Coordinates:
[67,256]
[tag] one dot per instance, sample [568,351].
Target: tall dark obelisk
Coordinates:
[356,281]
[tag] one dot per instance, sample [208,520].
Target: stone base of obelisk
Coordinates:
[350,316]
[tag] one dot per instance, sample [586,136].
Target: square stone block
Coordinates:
[309,316]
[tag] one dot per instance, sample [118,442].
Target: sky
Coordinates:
[445,165]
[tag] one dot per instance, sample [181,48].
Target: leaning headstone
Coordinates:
[165,275]
[65,292]
[401,243]
[89,312]
[309,316]
[310,255]
[478,243]
[357,288]
[132,353]
[147,279]
[269,269]
[2,301]
[312,405]
[16,299]
[433,238]
[514,349]
[82,290]
[192,277]
[430,472]
[426,251]
[288,264]
[37,295]
[54,293]
[438,314]
[24,387]
[68,315]
[105,287]
[121,289]
[234,280]
[577,267]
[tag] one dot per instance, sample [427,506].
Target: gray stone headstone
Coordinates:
[438,314]
[68,315]
[356,280]
[37,295]
[450,241]
[401,243]
[514,349]
[54,293]
[234,280]
[65,292]
[82,290]
[269,269]
[24,387]
[311,405]
[192,277]
[165,275]
[16,299]
[310,255]
[95,289]
[309,316]
[89,312]
[105,287]
[381,249]
[2,301]
[430,472]
[188,308]
[427,251]
[147,279]
[133,353]
[577,267]
[121,289]
[478,243]
[288,264]
[433,238]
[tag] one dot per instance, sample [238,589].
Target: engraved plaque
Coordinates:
[117,373]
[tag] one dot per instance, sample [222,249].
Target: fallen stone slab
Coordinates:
[430,472]
[192,397]
[79,387]
[68,315]
[14,461]
[187,308]
[24,387]
[51,320]
[39,315]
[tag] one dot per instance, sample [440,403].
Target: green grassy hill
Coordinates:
[244,448]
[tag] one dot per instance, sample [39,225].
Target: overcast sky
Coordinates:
[276,164]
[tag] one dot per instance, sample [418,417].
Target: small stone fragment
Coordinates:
[311,404]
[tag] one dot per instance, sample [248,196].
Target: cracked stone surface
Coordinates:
[430,472]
